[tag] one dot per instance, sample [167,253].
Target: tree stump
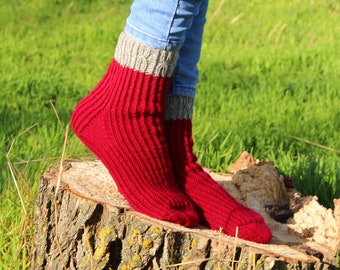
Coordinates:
[86,224]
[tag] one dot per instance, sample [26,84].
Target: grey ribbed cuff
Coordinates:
[135,55]
[179,107]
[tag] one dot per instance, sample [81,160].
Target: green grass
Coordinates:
[267,77]
[269,74]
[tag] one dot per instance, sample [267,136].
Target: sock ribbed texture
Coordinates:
[122,122]
[215,206]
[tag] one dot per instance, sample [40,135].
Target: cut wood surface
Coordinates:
[87,224]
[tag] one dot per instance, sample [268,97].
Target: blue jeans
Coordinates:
[172,25]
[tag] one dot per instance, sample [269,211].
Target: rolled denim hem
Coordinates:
[152,41]
[161,24]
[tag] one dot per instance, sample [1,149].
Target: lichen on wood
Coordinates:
[89,225]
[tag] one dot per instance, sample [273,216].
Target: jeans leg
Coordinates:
[161,24]
[186,73]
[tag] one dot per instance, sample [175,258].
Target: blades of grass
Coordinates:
[10,167]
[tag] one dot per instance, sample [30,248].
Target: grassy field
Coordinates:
[269,84]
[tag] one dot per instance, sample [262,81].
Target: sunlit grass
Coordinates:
[269,75]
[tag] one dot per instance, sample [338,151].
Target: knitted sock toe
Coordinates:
[122,122]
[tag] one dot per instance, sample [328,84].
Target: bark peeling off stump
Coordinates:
[88,225]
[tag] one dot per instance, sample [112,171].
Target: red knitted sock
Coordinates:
[122,122]
[216,207]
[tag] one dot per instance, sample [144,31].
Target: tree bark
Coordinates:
[86,224]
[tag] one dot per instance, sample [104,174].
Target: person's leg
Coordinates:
[122,119]
[217,209]
[161,24]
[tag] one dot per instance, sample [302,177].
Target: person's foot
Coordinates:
[122,122]
[216,208]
